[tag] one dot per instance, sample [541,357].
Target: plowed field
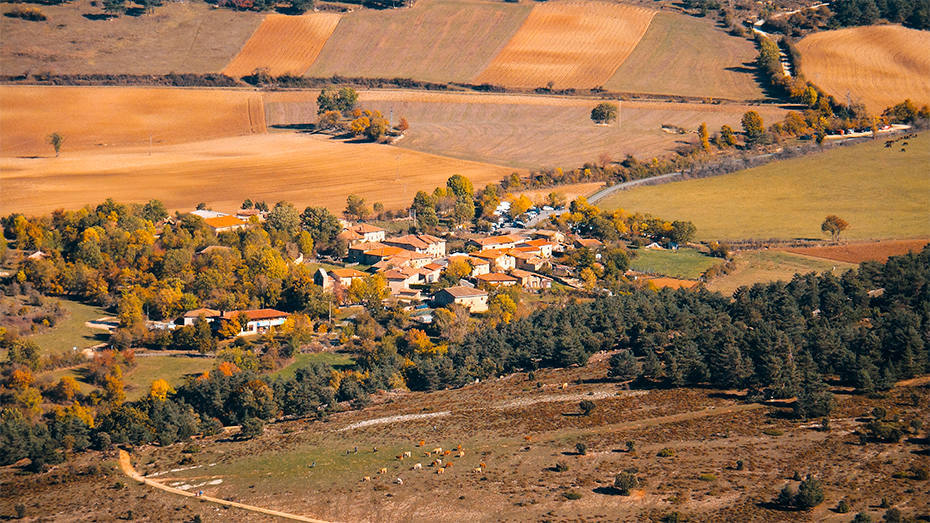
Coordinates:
[439,41]
[877,65]
[98,117]
[571,45]
[300,168]
[284,44]
[527,131]
[860,252]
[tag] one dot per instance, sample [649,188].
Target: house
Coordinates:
[564,271]
[38,255]
[343,277]
[590,243]
[541,247]
[654,246]
[356,251]
[475,300]
[208,314]
[507,241]
[225,223]
[367,233]
[247,214]
[204,213]
[258,320]
[430,272]
[419,243]
[404,259]
[401,278]
[350,237]
[555,237]
[499,258]
[497,279]
[377,254]
[528,280]
[530,262]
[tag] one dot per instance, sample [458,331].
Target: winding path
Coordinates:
[125,464]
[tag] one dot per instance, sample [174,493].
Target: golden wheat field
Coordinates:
[105,117]
[284,44]
[877,65]
[300,168]
[569,44]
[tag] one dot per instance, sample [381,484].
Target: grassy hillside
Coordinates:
[879,66]
[683,55]
[882,192]
[181,37]
[770,265]
[683,263]
[451,40]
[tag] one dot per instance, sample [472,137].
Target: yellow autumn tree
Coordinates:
[160,389]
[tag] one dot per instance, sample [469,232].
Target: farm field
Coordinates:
[526,131]
[568,44]
[882,193]
[425,42]
[284,44]
[100,118]
[520,431]
[300,168]
[173,368]
[684,55]
[684,263]
[763,266]
[860,252]
[879,66]
[181,37]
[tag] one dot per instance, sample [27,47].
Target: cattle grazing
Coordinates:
[446,453]
[427,454]
[407,454]
[461,454]
[449,464]
[478,470]
[459,447]
[399,481]
[437,450]
[422,443]
[382,471]
[527,438]
[366,478]
[482,465]
[440,470]
[418,466]
[400,457]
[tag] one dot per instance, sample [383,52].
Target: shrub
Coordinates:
[810,493]
[586,407]
[739,464]
[893,515]
[862,517]
[883,432]
[630,446]
[27,13]
[624,482]
[842,507]
[666,453]
[252,427]
[772,432]
[581,448]
[707,477]
[572,494]
[560,467]
[20,510]
[920,473]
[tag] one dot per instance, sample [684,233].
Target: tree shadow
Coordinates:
[295,126]
[608,491]
[97,16]
[741,69]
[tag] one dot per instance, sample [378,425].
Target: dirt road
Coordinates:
[125,465]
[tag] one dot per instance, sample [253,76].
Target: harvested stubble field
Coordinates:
[877,65]
[520,431]
[436,40]
[860,252]
[284,44]
[882,193]
[527,131]
[103,117]
[302,169]
[180,37]
[762,266]
[688,56]
[569,44]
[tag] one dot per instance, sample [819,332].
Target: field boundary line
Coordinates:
[125,465]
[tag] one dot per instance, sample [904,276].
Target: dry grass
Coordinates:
[302,169]
[684,55]
[527,131]
[569,44]
[762,266]
[860,252]
[434,41]
[181,37]
[95,117]
[284,44]
[878,65]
